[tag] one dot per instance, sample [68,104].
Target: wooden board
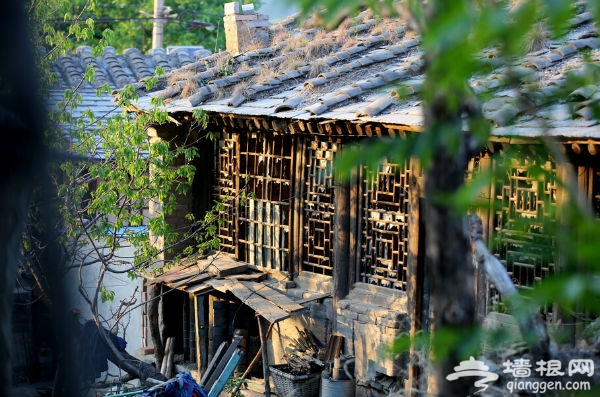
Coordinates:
[262,306]
[225,266]
[175,274]
[222,362]
[273,296]
[189,281]
[199,289]
[314,298]
[228,370]
[213,363]
[256,277]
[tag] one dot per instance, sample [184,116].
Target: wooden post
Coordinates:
[354,216]
[236,187]
[297,212]
[487,217]
[167,362]
[197,336]
[265,356]
[415,276]
[186,328]
[253,362]
[341,244]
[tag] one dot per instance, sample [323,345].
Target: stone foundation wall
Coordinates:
[370,318]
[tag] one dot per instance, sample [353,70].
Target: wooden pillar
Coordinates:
[341,243]
[415,276]
[354,219]
[236,186]
[487,217]
[297,213]
[566,174]
[265,355]
[186,328]
[197,335]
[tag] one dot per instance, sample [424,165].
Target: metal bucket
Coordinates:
[337,388]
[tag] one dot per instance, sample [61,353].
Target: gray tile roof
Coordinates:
[117,70]
[352,75]
[112,69]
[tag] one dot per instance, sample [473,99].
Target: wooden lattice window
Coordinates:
[265,175]
[384,226]
[226,190]
[524,219]
[318,208]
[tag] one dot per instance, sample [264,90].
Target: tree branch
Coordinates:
[531,323]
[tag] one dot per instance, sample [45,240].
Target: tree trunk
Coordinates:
[451,270]
[135,367]
[446,99]
[126,361]
[153,306]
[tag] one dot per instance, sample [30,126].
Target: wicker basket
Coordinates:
[289,385]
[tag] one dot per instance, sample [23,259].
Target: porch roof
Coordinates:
[371,71]
[221,272]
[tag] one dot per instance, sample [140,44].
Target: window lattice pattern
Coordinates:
[265,174]
[384,230]
[226,190]
[523,221]
[318,208]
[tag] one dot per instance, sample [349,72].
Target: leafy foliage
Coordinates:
[454,35]
[129,24]
[109,172]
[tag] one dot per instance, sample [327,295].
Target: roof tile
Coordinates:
[355,82]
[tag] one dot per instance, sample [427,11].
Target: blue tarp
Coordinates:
[182,385]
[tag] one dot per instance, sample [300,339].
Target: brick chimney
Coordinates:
[244,28]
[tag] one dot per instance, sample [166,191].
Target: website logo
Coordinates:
[474,368]
[520,369]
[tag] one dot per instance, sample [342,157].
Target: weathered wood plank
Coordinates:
[259,234]
[256,277]
[276,264]
[273,296]
[314,297]
[197,333]
[210,370]
[199,289]
[190,281]
[226,266]
[226,374]
[251,248]
[222,363]
[262,306]
[174,274]
[265,356]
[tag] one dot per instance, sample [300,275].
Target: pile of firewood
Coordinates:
[302,356]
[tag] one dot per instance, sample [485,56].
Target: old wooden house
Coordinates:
[305,251]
